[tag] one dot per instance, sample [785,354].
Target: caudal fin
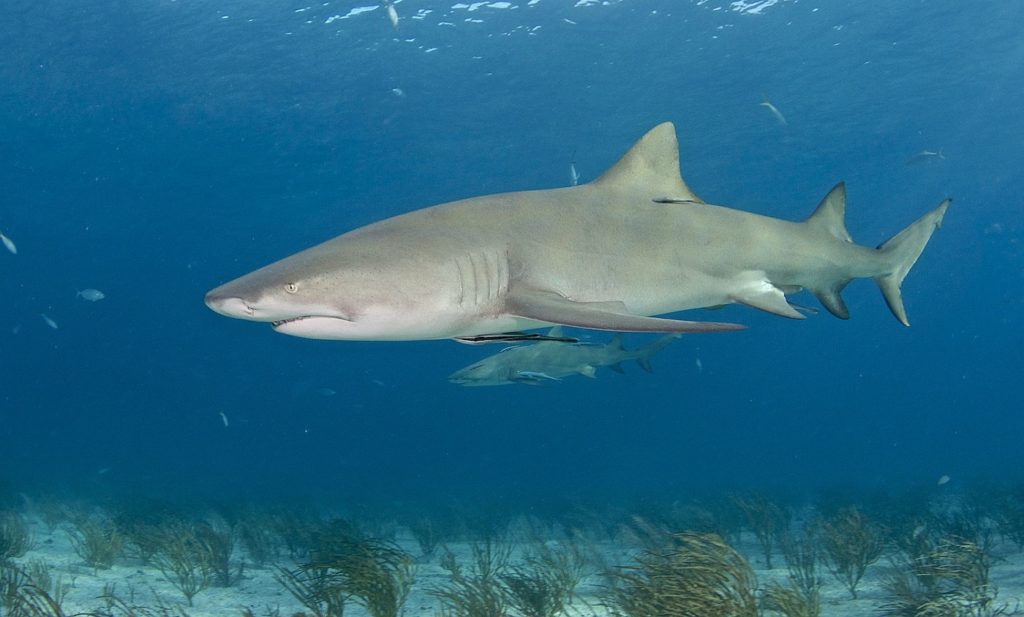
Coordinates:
[902,251]
[644,354]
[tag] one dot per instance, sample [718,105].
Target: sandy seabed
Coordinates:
[258,590]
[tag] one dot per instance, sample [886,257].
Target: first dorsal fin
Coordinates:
[830,214]
[651,165]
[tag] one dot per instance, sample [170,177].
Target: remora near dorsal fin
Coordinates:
[651,165]
[830,214]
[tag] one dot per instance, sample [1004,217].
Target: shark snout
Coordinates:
[229,305]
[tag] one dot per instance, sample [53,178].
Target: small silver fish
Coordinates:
[574,176]
[49,322]
[92,295]
[9,244]
[943,480]
[925,157]
[326,392]
[775,111]
[224,419]
[392,14]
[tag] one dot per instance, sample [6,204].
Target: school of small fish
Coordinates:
[89,294]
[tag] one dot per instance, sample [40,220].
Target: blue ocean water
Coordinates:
[154,149]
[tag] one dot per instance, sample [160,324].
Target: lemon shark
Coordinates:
[551,360]
[611,254]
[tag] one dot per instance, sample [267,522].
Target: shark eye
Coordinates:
[291,288]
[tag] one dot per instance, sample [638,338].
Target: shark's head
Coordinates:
[323,293]
[493,374]
[294,301]
[503,368]
[483,373]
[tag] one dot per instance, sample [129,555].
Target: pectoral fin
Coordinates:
[768,297]
[553,308]
[532,378]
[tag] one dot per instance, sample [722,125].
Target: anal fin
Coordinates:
[553,308]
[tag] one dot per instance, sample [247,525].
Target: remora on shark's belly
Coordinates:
[606,255]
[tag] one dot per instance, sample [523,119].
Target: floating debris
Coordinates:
[326,392]
[49,322]
[9,244]
[90,294]
[943,480]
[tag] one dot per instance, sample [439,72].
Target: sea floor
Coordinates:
[259,592]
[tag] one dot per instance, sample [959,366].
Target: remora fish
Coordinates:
[550,361]
[602,255]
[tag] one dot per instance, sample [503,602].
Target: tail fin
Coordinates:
[644,354]
[902,251]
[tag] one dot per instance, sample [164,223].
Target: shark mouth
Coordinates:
[281,322]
